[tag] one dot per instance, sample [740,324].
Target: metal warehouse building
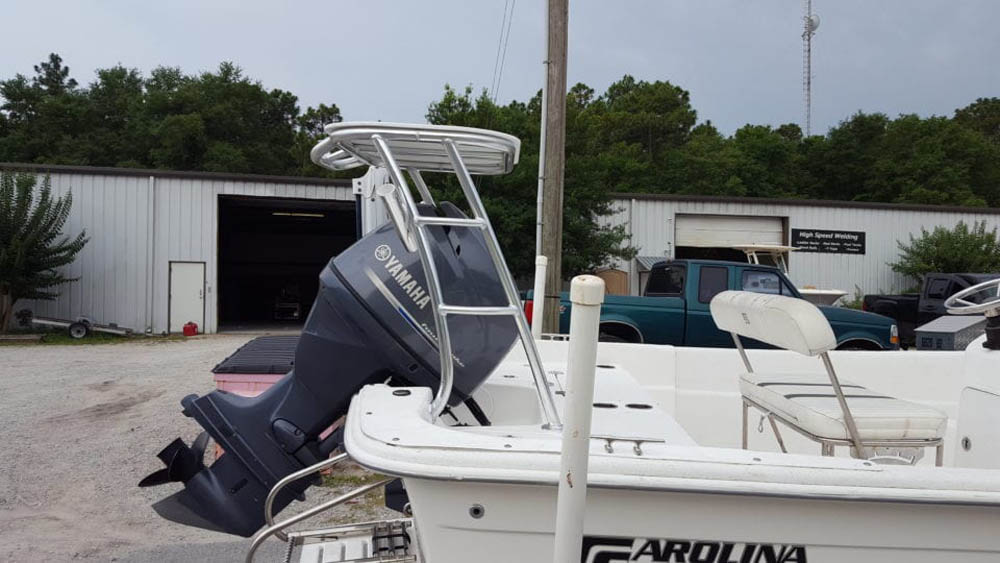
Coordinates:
[842,245]
[220,250]
[241,251]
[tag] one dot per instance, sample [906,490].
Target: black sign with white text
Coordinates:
[835,242]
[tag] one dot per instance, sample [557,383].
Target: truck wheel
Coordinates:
[78,330]
[605,337]
[858,345]
[618,332]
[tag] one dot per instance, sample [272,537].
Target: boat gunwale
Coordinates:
[378,456]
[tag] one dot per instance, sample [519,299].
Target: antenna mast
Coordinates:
[810,23]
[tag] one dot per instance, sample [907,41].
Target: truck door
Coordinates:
[936,290]
[705,283]
[660,313]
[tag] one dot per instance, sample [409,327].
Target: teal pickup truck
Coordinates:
[674,308]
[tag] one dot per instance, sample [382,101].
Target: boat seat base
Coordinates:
[807,401]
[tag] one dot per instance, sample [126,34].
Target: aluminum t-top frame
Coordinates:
[462,151]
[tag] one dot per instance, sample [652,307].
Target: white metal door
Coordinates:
[723,231]
[187,295]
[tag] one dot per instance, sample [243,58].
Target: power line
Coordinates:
[503,58]
[496,61]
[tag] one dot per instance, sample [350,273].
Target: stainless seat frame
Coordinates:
[827,445]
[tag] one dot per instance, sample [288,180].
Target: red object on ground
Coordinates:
[190,329]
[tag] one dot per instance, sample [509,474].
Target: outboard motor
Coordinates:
[372,322]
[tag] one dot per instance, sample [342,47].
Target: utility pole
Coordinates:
[555,157]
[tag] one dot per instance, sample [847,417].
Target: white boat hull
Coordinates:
[633,525]
[663,491]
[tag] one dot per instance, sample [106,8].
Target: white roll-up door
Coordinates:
[727,230]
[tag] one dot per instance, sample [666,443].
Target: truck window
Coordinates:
[714,280]
[667,280]
[787,290]
[761,282]
[937,289]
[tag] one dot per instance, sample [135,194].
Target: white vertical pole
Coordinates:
[538,297]
[586,294]
[541,146]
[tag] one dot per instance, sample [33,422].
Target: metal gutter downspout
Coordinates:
[150,254]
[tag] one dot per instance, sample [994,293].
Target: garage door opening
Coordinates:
[714,237]
[271,252]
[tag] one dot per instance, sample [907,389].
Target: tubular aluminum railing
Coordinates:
[344,152]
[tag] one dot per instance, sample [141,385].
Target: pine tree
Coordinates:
[32,246]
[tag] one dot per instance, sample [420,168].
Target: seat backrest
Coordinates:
[785,322]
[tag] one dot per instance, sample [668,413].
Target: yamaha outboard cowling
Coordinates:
[372,321]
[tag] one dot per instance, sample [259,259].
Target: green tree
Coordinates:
[32,244]
[308,132]
[768,163]
[219,121]
[841,165]
[47,116]
[983,115]
[962,249]
[510,199]
[934,161]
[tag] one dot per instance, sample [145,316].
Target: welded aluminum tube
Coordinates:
[586,294]
[538,306]
[319,509]
[493,247]
[290,478]
[430,273]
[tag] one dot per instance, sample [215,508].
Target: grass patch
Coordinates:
[61,337]
[352,479]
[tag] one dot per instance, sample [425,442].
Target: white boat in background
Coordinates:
[775,255]
[689,450]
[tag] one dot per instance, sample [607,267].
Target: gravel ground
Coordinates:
[81,425]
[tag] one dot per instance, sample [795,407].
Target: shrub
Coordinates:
[959,250]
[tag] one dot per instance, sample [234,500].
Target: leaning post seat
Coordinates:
[815,404]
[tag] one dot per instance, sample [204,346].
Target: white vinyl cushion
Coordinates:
[786,322]
[808,401]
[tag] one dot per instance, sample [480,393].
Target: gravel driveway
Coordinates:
[80,426]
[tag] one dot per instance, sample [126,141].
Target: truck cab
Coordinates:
[911,310]
[674,308]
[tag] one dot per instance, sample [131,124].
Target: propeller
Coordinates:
[182,462]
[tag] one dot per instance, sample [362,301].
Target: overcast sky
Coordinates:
[740,59]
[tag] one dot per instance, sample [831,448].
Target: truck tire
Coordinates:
[618,332]
[604,337]
[859,345]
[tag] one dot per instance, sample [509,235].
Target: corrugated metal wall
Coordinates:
[137,225]
[651,224]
